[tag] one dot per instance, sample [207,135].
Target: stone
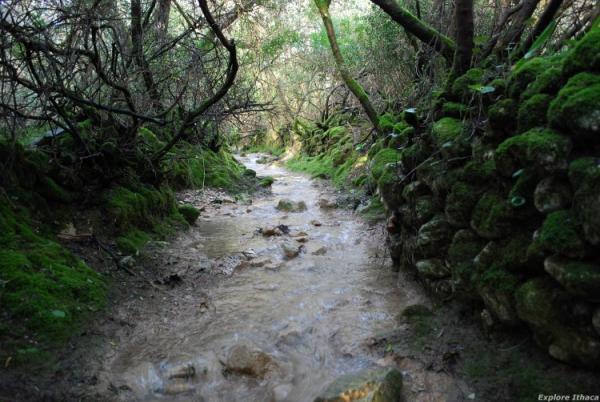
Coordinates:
[320,251]
[291,250]
[433,237]
[181,371]
[327,204]
[291,206]
[432,268]
[578,277]
[270,231]
[500,303]
[247,360]
[540,302]
[315,222]
[378,385]
[552,194]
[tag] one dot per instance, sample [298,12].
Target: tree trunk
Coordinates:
[441,43]
[351,83]
[545,20]
[463,20]
[512,34]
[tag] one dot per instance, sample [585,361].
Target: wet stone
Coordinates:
[248,360]
[382,385]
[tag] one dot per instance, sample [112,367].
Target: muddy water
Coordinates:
[312,313]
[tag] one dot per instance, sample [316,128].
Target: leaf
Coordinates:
[541,41]
[518,173]
[411,110]
[58,313]
[517,201]
[483,89]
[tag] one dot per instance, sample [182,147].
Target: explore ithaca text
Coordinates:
[572,397]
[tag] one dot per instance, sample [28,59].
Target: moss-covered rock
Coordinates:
[380,161]
[291,206]
[532,112]
[433,237]
[387,121]
[266,181]
[501,115]
[576,109]
[414,190]
[500,302]
[390,186]
[189,213]
[460,202]
[526,73]
[492,216]
[461,86]
[380,385]
[586,54]
[548,82]
[447,129]
[454,109]
[579,278]
[541,303]
[551,194]
[465,246]
[542,148]
[560,233]
[432,268]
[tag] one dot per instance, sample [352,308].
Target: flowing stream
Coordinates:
[313,314]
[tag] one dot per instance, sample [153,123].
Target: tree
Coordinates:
[351,83]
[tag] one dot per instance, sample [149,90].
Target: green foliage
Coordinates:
[190,166]
[548,82]
[453,109]
[266,181]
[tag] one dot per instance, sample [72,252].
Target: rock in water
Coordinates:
[291,206]
[381,385]
[247,360]
[291,250]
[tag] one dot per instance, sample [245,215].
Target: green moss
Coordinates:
[447,129]
[532,112]
[560,234]
[46,291]
[373,211]
[524,74]
[190,166]
[266,181]
[548,82]
[50,190]
[387,121]
[542,147]
[501,115]
[453,109]
[381,160]
[499,85]
[249,173]
[576,109]
[401,139]
[586,54]
[460,202]
[460,86]
[189,213]
[479,172]
[492,216]
[584,170]
[132,242]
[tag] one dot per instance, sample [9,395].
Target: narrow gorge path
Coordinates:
[242,318]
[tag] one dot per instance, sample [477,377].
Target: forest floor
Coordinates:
[311,291]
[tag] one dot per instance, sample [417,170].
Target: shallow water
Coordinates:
[312,313]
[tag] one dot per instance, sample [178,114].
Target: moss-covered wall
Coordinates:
[507,210]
